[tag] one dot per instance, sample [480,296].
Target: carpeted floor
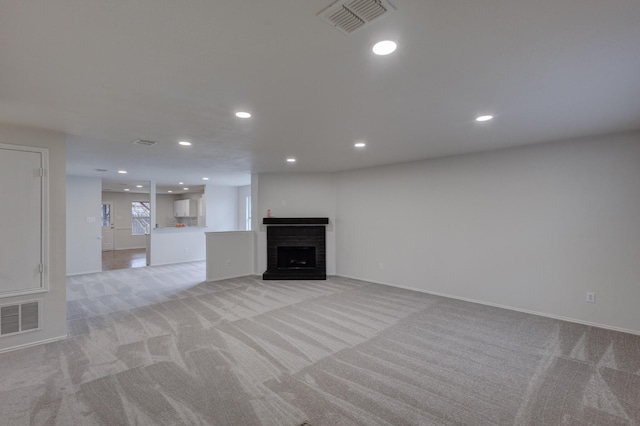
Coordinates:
[158,346]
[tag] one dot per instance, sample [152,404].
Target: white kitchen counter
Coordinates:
[174,229]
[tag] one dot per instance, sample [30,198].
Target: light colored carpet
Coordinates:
[158,346]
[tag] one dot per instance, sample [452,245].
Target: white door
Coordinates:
[108,242]
[22,218]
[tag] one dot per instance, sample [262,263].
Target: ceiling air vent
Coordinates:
[144,142]
[350,15]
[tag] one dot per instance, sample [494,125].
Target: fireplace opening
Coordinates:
[296,257]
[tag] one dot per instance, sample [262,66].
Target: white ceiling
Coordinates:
[109,72]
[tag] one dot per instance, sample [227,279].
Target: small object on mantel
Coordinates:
[268,212]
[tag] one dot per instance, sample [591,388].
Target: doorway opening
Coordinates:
[125,220]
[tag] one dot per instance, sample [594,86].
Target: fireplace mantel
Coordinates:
[295,221]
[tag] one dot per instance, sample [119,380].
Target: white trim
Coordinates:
[231,277]
[44,236]
[227,232]
[497,305]
[16,293]
[179,261]
[131,248]
[45,218]
[84,273]
[39,342]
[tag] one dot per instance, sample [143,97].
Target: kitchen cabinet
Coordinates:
[185,208]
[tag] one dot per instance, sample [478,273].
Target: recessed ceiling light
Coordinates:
[291,160]
[169,191]
[186,189]
[243,114]
[384,47]
[359,144]
[122,172]
[180,183]
[184,143]
[127,189]
[205,178]
[138,186]
[484,118]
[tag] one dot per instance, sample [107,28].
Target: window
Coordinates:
[140,217]
[106,215]
[247,214]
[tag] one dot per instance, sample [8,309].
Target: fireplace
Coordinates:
[296,257]
[296,249]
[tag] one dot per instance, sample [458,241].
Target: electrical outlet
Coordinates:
[591,297]
[380,266]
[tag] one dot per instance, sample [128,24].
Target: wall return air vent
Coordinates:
[20,317]
[351,15]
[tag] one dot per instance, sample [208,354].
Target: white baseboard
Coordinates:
[497,305]
[84,273]
[127,248]
[39,342]
[249,274]
[179,261]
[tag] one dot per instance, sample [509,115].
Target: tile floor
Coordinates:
[124,259]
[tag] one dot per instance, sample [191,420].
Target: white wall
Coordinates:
[84,246]
[122,223]
[532,228]
[164,210]
[229,254]
[296,195]
[221,207]
[54,308]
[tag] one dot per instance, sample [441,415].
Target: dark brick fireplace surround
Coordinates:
[296,248]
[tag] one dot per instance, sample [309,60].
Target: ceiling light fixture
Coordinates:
[205,178]
[186,189]
[138,186]
[127,189]
[384,47]
[359,144]
[243,114]
[185,143]
[169,191]
[484,118]
[122,172]
[180,183]
[291,160]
